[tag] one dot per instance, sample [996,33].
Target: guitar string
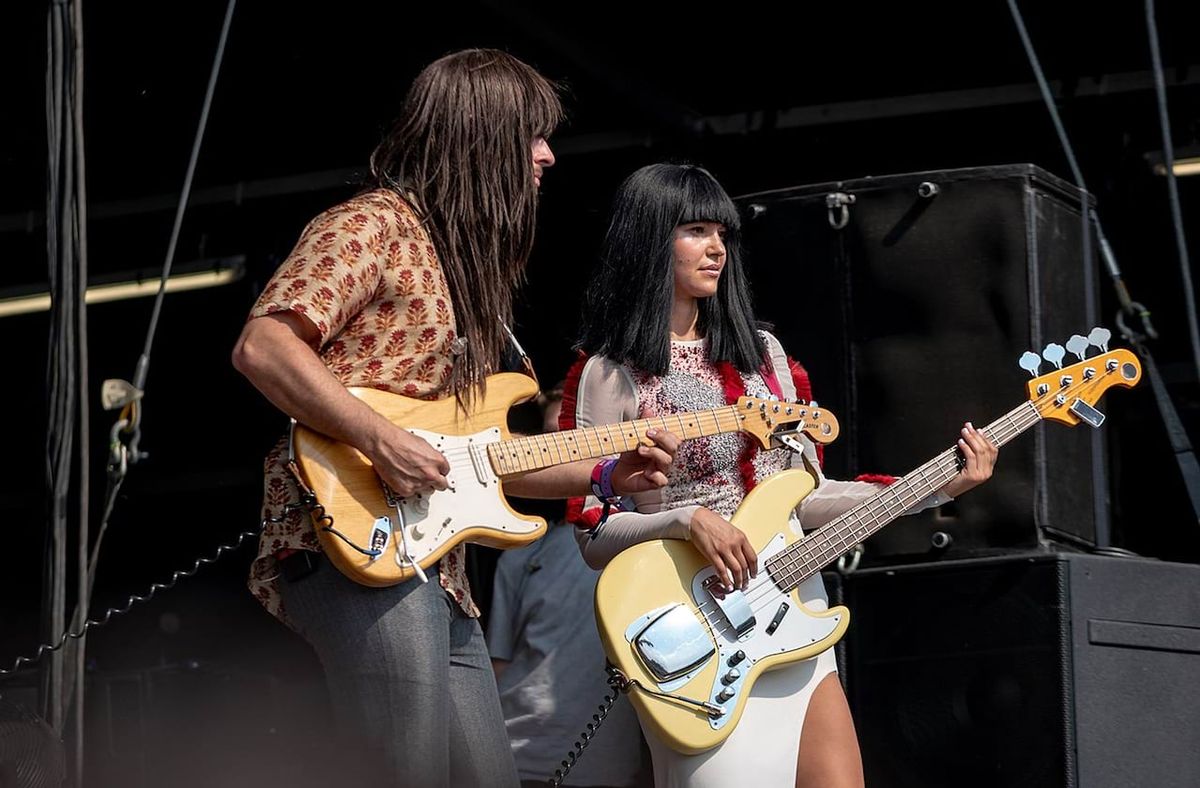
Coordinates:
[809,559]
[716,414]
[726,419]
[1003,430]
[872,508]
[804,560]
[1033,407]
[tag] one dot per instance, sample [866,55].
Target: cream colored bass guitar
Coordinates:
[694,653]
[377,539]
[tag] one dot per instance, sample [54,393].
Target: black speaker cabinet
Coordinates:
[1044,669]
[909,298]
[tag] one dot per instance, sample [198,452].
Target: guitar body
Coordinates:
[473,509]
[652,606]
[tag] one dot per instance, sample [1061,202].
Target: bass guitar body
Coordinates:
[699,651]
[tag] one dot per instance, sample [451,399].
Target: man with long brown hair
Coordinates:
[408,287]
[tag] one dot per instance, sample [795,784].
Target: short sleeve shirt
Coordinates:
[366,274]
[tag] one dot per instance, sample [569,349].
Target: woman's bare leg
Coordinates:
[829,756]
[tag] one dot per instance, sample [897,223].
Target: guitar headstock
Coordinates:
[1069,394]
[763,417]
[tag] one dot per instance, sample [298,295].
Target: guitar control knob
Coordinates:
[736,657]
[733,675]
[725,694]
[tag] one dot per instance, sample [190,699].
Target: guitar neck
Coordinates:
[810,555]
[520,455]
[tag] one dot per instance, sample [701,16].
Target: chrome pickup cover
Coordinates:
[674,643]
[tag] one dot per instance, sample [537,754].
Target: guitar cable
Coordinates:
[110,613]
[46,648]
[620,684]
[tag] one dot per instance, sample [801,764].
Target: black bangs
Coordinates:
[627,306]
[705,201]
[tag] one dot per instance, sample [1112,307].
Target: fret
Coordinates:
[684,432]
[556,443]
[570,443]
[539,451]
[612,442]
[805,558]
[530,455]
[495,454]
[592,441]
[716,414]
[527,453]
[1013,425]
[633,432]
[519,459]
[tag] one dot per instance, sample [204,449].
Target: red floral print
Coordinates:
[366,275]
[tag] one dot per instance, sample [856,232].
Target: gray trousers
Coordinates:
[410,681]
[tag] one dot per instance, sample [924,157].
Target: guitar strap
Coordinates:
[524,361]
[768,376]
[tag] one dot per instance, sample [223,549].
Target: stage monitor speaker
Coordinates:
[909,298]
[1048,669]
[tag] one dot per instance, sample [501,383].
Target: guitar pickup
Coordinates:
[1086,413]
[477,449]
[733,606]
[779,614]
[673,644]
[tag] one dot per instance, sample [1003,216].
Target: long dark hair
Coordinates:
[460,150]
[627,308]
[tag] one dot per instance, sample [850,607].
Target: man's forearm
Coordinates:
[281,365]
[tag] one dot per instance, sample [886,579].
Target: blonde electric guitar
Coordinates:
[378,539]
[695,653]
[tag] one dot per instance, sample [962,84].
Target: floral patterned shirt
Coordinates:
[365,273]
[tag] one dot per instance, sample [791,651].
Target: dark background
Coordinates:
[765,98]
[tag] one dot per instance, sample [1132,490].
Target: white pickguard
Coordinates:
[430,519]
[796,629]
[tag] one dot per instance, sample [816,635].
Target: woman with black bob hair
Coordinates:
[668,327]
[632,324]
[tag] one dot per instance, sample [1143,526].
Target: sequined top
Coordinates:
[714,471]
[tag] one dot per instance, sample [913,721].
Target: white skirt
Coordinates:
[763,748]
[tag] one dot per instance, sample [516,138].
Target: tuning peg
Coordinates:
[1030,362]
[1099,337]
[1054,353]
[1078,345]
